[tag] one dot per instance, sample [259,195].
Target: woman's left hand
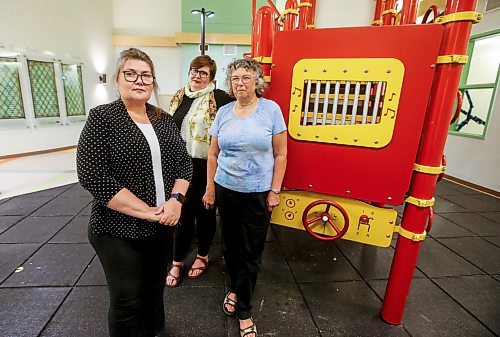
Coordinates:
[171,210]
[273,200]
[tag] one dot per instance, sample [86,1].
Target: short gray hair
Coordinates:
[248,64]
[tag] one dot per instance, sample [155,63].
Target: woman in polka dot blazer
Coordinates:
[133,161]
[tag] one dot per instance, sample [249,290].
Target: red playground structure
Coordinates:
[367,122]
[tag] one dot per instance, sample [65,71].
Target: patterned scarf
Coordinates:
[198,120]
[209,104]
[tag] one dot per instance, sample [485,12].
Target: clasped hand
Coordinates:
[167,214]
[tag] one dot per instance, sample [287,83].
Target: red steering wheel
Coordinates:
[323,219]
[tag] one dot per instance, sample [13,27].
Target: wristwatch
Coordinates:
[275,190]
[178,196]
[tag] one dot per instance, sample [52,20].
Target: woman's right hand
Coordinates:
[151,215]
[209,198]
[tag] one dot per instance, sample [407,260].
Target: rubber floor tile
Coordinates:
[347,309]
[480,295]
[430,312]
[12,256]
[76,231]
[25,311]
[33,229]
[22,205]
[435,260]
[83,313]
[63,206]
[53,265]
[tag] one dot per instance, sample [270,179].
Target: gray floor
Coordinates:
[52,284]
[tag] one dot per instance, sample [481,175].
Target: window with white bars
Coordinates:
[342,102]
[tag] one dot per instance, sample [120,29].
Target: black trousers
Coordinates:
[135,272]
[193,212]
[244,222]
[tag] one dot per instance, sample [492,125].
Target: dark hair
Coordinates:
[248,64]
[202,61]
[136,54]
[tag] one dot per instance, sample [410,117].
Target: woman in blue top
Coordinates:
[246,164]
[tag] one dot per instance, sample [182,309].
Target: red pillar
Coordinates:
[290,15]
[409,12]
[389,13]
[446,79]
[377,16]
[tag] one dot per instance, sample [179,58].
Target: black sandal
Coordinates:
[228,301]
[252,329]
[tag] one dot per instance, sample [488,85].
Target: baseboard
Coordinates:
[473,186]
[18,155]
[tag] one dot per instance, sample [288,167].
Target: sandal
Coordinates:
[176,278]
[228,301]
[202,269]
[252,329]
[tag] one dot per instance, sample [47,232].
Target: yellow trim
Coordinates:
[310,26]
[388,11]
[305,4]
[475,17]
[452,59]
[377,228]
[378,135]
[410,235]
[173,41]
[420,202]
[287,11]
[376,23]
[144,41]
[291,11]
[429,169]
[267,79]
[264,59]
[242,39]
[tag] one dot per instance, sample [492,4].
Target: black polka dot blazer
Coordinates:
[113,154]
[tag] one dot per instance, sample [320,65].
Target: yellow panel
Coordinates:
[425,4]
[376,231]
[388,70]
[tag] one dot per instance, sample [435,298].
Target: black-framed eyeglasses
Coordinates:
[132,76]
[194,72]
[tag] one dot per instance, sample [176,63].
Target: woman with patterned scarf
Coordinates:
[193,108]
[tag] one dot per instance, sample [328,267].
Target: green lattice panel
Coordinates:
[43,88]
[73,89]
[11,102]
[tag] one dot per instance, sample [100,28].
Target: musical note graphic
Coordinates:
[295,89]
[392,111]
[295,107]
[392,96]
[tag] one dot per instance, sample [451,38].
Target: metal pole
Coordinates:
[409,12]
[202,31]
[446,78]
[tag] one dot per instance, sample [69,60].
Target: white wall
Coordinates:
[70,30]
[477,160]
[344,13]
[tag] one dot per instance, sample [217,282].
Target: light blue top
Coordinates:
[246,160]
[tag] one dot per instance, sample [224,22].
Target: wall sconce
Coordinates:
[102,78]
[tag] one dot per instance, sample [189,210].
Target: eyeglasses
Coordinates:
[132,76]
[195,72]
[244,79]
